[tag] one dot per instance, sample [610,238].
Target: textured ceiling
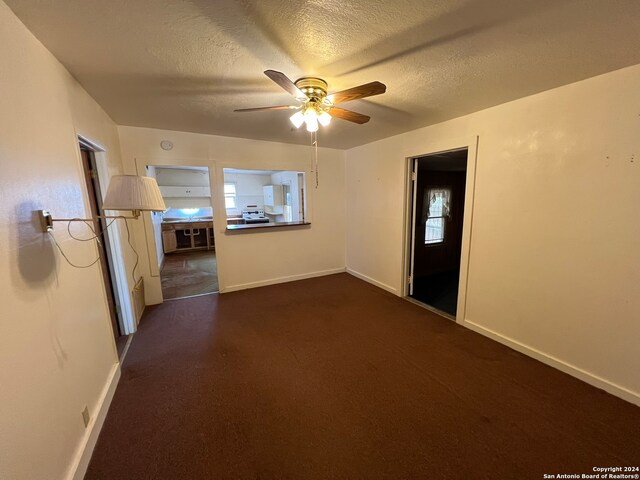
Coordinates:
[187,64]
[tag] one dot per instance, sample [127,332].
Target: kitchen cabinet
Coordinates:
[169,241]
[183,236]
[183,239]
[170,191]
[199,237]
[272,195]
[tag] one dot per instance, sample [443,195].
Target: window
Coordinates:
[230,195]
[255,199]
[437,207]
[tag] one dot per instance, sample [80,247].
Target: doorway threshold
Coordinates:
[446,315]
[190,296]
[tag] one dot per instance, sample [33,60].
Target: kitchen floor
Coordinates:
[186,274]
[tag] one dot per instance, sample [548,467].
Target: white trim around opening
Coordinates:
[127,317]
[471,144]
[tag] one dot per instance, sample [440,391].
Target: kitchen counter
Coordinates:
[185,224]
[235,220]
[251,226]
[187,220]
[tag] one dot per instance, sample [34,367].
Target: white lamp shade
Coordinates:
[133,192]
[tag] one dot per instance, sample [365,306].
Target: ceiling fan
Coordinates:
[317,105]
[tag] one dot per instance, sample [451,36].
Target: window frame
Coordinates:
[234,195]
[443,217]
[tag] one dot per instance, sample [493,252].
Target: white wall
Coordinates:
[554,263]
[253,258]
[248,190]
[56,344]
[182,178]
[174,204]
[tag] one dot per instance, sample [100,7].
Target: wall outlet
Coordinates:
[85,416]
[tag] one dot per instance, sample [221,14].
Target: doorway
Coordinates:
[184,233]
[99,225]
[438,213]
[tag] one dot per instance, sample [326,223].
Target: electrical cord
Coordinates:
[96,236]
[135,265]
[97,239]
[67,258]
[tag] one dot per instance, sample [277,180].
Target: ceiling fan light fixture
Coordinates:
[324,118]
[310,112]
[297,119]
[311,119]
[316,106]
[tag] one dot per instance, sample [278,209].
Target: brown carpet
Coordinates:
[332,378]
[186,274]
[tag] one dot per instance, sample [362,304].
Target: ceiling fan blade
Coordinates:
[348,115]
[284,81]
[362,91]
[259,109]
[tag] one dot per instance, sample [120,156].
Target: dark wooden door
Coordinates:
[99,226]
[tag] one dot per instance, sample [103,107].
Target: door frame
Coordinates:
[149,261]
[101,234]
[121,287]
[443,146]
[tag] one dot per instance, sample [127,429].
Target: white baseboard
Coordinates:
[273,281]
[590,378]
[372,281]
[83,454]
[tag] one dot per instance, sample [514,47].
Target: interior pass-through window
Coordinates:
[264,198]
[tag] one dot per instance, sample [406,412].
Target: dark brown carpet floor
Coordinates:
[332,378]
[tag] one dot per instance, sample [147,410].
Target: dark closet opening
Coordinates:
[439,183]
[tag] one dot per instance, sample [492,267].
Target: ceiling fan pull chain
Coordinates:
[314,142]
[311,139]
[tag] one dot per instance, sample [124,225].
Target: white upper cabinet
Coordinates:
[172,191]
